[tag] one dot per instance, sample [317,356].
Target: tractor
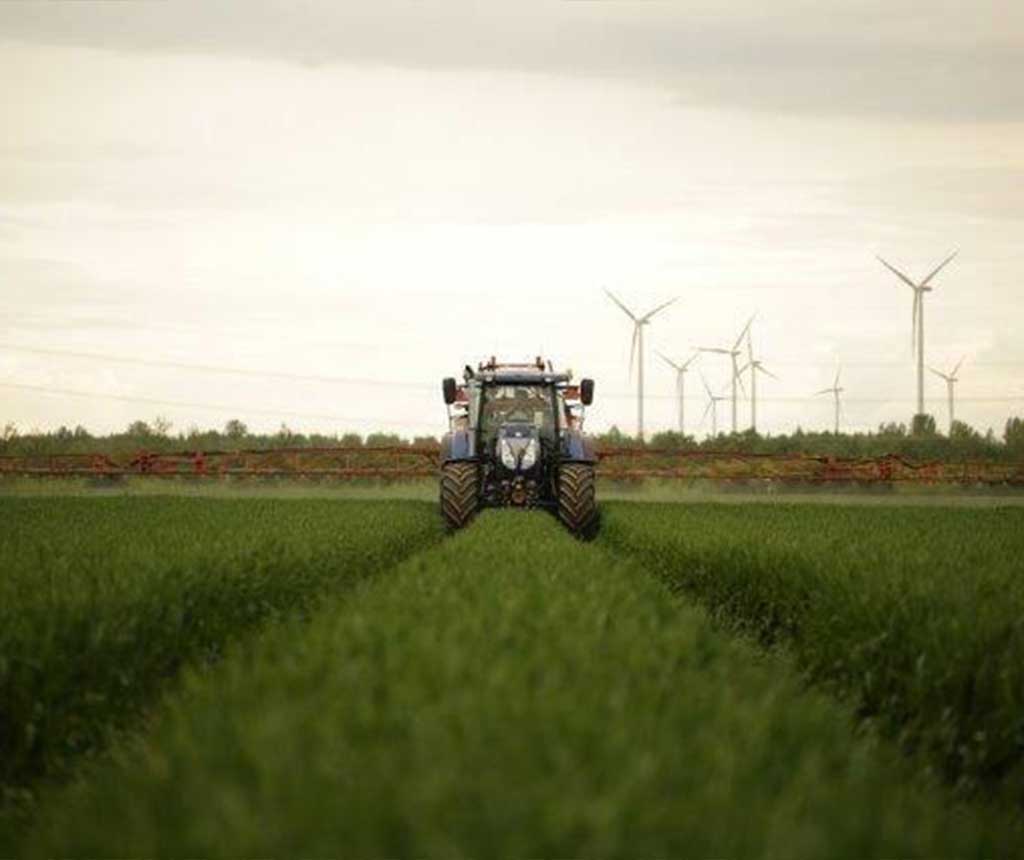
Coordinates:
[515,440]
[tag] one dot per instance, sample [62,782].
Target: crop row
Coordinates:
[917,615]
[102,600]
[509,692]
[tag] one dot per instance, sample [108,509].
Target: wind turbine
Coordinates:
[733,355]
[636,350]
[712,407]
[755,368]
[680,370]
[917,318]
[835,391]
[951,380]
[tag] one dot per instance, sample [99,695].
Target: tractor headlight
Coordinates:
[529,455]
[508,456]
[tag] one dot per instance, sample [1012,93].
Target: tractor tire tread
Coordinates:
[460,495]
[577,501]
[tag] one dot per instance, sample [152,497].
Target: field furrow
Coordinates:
[916,615]
[102,600]
[509,692]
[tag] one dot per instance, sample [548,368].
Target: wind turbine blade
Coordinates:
[955,369]
[746,328]
[691,359]
[707,387]
[823,391]
[713,349]
[750,350]
[668,360]
[938,268]
[739,381]
[939,373]
[768,372]
[707,409]
[838,371]
[897,273]
[744,368]
[660,307]
[625,310]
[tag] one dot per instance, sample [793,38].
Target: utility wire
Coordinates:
[665,397]
[354,380]
[213,407]
[210,368]
[248,372]
[418,386]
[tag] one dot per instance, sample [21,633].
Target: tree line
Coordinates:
[919,442]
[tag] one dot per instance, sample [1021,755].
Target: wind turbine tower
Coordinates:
[636,351]
[835,391]
[917,318]
[755,368]
[680,370]
[733,354]
[951,380]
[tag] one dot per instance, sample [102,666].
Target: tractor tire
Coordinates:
[577,503]
[460,494]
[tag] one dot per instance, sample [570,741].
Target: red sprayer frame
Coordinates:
[400,462]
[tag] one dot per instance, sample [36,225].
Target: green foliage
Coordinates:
[235,429]
[890,438]
[672,440]
[914,613]
[138,430]
[383,440]
[511,693]
[1013,436]
[102,600]
[923,425]
[962,434]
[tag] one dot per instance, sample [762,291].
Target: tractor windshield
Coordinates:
[517,404]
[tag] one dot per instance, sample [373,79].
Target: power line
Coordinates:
[386,383]
[354,380]
[213,407]
[210,368]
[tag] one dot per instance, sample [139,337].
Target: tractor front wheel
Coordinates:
[460,494]
[577,503]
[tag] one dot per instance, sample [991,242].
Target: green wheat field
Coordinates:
[259,676]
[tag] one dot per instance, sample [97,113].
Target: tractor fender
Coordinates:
[577,448]
[460,445]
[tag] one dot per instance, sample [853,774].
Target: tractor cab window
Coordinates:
[517,404]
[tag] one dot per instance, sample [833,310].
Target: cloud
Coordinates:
[944,62]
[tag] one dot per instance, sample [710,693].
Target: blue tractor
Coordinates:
[516,440]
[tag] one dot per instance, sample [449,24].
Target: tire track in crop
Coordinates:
[512,692]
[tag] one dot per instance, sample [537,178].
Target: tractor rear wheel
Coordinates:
[577,503]
[460,494]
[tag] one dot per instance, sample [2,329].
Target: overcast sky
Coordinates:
[385,191]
